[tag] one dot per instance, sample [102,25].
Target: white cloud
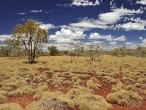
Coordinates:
[121,38]
[22,13]
[128,43]
[74,28]
[46,26]
[67,35]
[36,11]
[113,43]
[84,3]
[95,36]
[108,38]
[4,37]
[112,2]
[110,17]
[105,20]
[140,38]
[131,45]
[63,38]
[116,14]
[131,26]
[143,43]
[90,23]
[142,2]
[132,23]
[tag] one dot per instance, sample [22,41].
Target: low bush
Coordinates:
[3,99]
[124,97]
[93,83]
[10,106]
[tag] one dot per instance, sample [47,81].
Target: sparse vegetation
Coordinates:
[54,82]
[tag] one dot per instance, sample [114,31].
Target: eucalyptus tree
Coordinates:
[31,36]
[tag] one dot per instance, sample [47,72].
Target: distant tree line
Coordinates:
[13,48]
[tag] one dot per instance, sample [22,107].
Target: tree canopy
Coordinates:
[31,36]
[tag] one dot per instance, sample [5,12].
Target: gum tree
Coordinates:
[31,37]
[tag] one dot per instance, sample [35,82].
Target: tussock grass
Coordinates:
[10,106]
[126,74]
[124,97]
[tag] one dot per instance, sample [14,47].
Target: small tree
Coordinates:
[13,46]
[122,51]
[31,36]
[93,52]
[4,51]
[140,51]
[53,50]
[76,51]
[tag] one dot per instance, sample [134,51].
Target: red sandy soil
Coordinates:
[40,70]
[23,101]
[103,91]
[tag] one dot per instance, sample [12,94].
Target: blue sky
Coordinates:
[109,23]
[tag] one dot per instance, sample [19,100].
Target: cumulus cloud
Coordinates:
[109,38]
[128,43]
[140,38]
[63,38]
[67,35]
[121,38]
[84,3]
[113,43]
[78,3]
[46,26]
[4,37]
[95,36]
[131,26]
[143,43]
[142,2]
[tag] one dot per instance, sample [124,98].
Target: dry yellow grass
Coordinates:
[18,78]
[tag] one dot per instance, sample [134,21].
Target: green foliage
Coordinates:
[11,48]
[31,36]
[53,50]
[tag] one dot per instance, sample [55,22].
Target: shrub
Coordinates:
[10,106]
[3,99]
[93,83]
[53,50]
[124,97]
[83,98]
[92,102]
[109,79]
[35,106]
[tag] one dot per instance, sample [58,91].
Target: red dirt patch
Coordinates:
[104,90]
[22,101]
[42,69]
